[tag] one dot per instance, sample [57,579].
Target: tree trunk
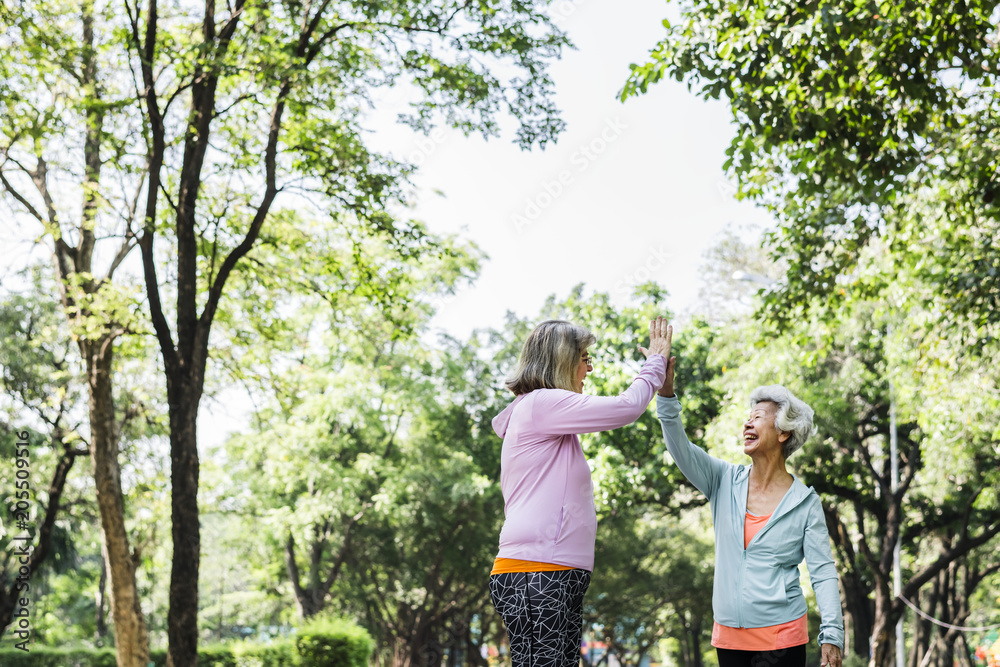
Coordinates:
[946,580]
[131,639]
[424,648]
[696,660]
[182,618]
[883,651]
[400,653]
[858,608]
[312,598]
[857,603]
[472,649]
[101,629]
[305,598]
[922,630]
[962,654]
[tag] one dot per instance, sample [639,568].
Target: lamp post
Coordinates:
[897,577]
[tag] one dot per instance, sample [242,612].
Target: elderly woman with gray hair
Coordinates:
[766,522]
[543,568]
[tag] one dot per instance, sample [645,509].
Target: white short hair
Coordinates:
[792,416]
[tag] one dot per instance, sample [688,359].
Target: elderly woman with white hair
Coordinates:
[766,522]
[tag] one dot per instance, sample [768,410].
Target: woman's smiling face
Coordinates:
[759,432]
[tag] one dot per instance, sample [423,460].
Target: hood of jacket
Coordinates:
[502,420]
[797,493]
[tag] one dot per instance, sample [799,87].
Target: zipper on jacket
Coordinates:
[739,589]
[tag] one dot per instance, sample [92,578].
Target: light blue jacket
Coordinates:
[759,586]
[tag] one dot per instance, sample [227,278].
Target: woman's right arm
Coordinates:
[564,412]
[701,469]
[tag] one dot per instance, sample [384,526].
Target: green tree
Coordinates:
[867,130]
[58,127]
[46,395]
[195,128]
[350,414]
[425,579]
[856,122]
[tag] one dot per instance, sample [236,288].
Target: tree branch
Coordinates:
[344,552]
[147,51]
[293,570]
[40,178]
[867,460]
[20,199]
[912,465]
[964,546]
[866,553]
[56,488]
[270,191]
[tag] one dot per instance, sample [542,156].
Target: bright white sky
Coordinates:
[646,207]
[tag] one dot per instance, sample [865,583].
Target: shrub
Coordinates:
[329,642]
[278,654]
[57,657]
[216,655]
[321,643]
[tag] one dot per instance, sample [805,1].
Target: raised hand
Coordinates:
[660,335]
[667,390]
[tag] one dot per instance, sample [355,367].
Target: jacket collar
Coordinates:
[795,495]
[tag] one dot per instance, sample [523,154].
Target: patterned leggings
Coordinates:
[543,612]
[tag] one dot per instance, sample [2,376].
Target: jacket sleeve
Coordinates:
[823,575]
[560,412]
[701,469]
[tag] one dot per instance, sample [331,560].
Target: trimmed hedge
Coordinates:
[238,654]
[327,642]
[323,643]
[57,657]
[233,655]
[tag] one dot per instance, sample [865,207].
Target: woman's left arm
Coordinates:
[563,412]
[823,575]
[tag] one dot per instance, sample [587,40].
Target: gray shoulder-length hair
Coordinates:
[792,416]
[550,357]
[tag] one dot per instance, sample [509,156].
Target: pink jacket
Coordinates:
[547,491]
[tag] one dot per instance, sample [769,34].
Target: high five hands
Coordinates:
[661,334]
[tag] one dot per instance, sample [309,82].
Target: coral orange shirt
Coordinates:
[771,637]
